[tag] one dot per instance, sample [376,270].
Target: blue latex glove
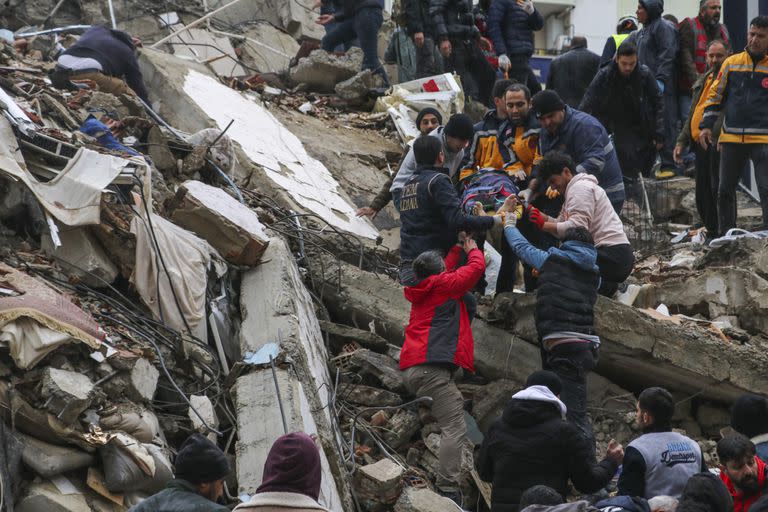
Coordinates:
[661,85]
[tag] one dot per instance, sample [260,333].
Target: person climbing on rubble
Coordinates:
[749,416]
[104,56]
[201,468]
[356,19]
[660,461]
[565,300]
[438,345]
[742,471]
[586,205]
[427,120]
[430,212]
[292,476]
[531,444]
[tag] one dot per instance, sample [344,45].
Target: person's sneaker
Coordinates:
[665,174]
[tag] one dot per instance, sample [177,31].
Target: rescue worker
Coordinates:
[707,160]
[624,28]
[741,92]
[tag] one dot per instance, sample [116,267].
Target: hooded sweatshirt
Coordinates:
[531,444]
[587,205]
[741,503]
[292,474]
[657,44]
[438,331]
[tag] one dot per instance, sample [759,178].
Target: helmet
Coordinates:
[626,24]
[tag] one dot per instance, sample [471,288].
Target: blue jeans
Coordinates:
[364,26]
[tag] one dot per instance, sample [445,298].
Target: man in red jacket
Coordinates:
[743,473]
[438,342]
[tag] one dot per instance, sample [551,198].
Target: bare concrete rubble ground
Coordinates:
[312,288]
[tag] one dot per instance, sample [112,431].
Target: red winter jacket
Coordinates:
[742,503]
[438,331]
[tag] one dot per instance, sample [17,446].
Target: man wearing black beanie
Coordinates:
[200,471]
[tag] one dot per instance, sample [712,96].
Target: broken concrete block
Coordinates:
[268,49]
[638,351]
[493,399]
[401,428]
[321,71]
[379,369]
[143,380]
[381,482]
[48,460]
[340,335]
[161,155]
[422,500]
[371,397]
[82,255]
[712,418]
[205,413]
[45,496]
[66,394]
[230,227]
[357,87]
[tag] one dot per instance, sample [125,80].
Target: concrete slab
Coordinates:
[82,255]
[230,227]
[202,46]
[268,49]
[191,99]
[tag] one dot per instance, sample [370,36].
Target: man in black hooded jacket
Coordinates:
[532,444]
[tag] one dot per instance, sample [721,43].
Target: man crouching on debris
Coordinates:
[106,57]
[567,292]
[200,471]
[438,342]
[430,209]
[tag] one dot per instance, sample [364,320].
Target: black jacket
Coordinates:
[657,45]
[530,445]
[511,28]
[418,18]
[431,215]
[177,496]
[567,291]
[348,8]
[115,51]
[635,103]
[453,19]
[571,73]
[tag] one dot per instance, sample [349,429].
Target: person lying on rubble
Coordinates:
[292,475]
[430,212]
[438,345]
[741,470]
[749,416]
[199,483]
[454,138]
[532,444]
[104,56]
[586,205]
[660,461]
[565,301]
[427,120]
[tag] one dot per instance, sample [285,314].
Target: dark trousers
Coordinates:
[364,26]
[707,182]
[538,238]
[477,76]
[507,269]
[615,263]
[636,154]
[733,161]
[572,362]
[670,130]
[521,71]
[427,63]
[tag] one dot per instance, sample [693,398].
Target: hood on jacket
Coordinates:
[705,492]
[293,465]
[418,293]
[624,503]
[283,500]
[532,405]
[583,255]
[655,8]
[576,506]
